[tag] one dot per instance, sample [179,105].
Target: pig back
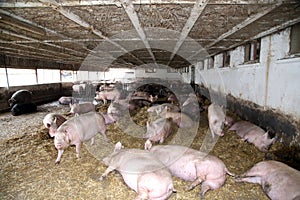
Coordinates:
[20,96]
[86,126]
[282,184]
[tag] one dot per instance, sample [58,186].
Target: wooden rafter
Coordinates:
[129,9]
[195,13]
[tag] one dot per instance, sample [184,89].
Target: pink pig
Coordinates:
[80,108]
[77,130]
[159,130]
[253,134]
[141,171]
[191,165]
[181,119]
[108,95]
[278,180]
[216,119]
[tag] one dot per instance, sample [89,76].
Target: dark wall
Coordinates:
[41,93]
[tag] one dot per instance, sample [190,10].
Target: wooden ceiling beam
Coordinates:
[240,26]
[195,13]
[26,4]
[77,19]
[129,9]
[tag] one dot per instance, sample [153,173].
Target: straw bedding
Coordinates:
[28,170]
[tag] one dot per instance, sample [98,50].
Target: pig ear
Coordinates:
[148,145]
[55,120]
[118,146]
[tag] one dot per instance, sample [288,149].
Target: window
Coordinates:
[150,70]
[17,77]
[48,76]
[295,39]
[171,70]
[67,76]
[226,59]
[252,51]
[210,63]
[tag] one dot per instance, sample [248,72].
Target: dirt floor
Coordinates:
[28,170]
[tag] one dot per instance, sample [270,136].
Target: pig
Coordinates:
[67,100]
[216,119]
[191,165]
[23,108]
[181,119]
[19,97]
[159,130]
[108,95]
[80,108]
[118,107]
[253,134]
[278,180]
[159,108]
[228,121]
[77,130]
[52,121]
[172,98]
[78,88]
[141,171]
[110,118]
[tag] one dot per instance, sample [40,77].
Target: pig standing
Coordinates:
[181,119]
[253,134]
[159,130]
[108,95]
[67,100]
[19,97]
[278,180]
[160,108]
[77,130]
[80,108]
[216,119]
[141,171]
[52,121]
[191,165]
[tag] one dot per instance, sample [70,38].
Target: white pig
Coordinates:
[159,130]
[278,180]
[77,130]
[216,119]
[141,171]
[80,108]
[191,165]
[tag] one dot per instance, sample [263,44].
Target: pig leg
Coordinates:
[60,153]
[195,183]
[142,194]
[92,140]
[252,179]
[78,146]
[107,171]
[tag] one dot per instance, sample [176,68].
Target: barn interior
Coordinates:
[241,54]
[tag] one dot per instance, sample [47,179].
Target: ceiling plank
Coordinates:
[35,40]
[75,18]
[129,9]
[195,13]
[240,26]
[25,4]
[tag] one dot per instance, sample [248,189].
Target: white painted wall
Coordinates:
[274,82]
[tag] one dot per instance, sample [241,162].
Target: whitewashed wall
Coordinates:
[274,82]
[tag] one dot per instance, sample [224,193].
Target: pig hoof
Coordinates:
[57,162]
[102,178]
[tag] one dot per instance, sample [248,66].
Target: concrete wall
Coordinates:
[272,83]
[40,93]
